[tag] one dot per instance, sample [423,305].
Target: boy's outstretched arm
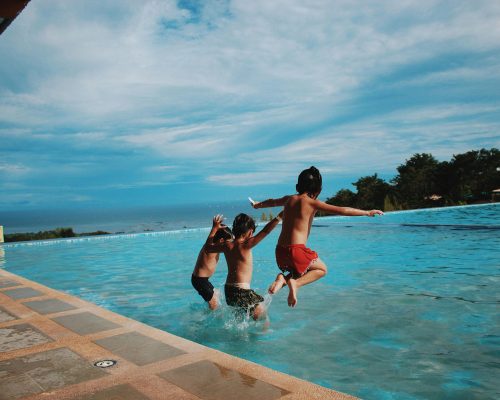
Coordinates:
[254,240]
[210,246]
[270,202]
[347,211]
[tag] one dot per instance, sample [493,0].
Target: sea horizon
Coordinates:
[132,219]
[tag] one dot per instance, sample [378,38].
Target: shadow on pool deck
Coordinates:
[50,341]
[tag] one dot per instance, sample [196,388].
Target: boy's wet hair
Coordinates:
[310,181]
[242,224]
[223,233]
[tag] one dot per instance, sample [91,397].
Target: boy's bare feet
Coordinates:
[292,296]
[278,283]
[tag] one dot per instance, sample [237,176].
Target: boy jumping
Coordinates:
[238,253]
[206,263]
[292,256]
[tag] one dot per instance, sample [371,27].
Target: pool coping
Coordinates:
[170,367]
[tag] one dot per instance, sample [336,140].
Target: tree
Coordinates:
[416,181]
[473,175]
[371,192]
[343,198]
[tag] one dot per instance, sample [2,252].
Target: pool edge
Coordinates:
[137,371]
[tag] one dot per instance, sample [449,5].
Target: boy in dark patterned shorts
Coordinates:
[238,253]
[206,264]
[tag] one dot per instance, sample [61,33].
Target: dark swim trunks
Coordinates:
[203,287]
[242,298]
[295,258]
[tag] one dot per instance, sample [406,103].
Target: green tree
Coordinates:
[343,198]
[371,192]
[473,175]
[416,181]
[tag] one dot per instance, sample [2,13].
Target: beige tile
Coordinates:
[211,381]
[49,370]
[21,336]
[85,323]
[120,392]
[138,348]
[22,293]
[49,306]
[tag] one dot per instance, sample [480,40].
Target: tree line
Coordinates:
[52,234]
[422,181]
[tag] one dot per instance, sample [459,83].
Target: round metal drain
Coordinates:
[105,363]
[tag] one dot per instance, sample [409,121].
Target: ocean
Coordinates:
[126,220]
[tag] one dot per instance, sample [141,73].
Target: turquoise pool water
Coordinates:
[409,309]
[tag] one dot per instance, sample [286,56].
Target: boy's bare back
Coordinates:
[298,215]
[239,261]
[205,263]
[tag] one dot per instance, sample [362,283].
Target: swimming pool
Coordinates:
[409,309]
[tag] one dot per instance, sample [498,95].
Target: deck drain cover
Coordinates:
[105,363]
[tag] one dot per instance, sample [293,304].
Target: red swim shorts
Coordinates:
[295,258]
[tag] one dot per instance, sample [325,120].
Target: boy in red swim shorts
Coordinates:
[302,265]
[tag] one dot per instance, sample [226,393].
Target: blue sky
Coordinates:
[127,102]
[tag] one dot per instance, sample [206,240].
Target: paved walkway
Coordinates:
[51,341]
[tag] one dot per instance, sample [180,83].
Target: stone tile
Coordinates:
[15,386]
[49,306]
[22,293]
[85,323]
[120,392]
[40,372]
[6,316]
[210,381]
[8,283]
[138,348]
[21,336]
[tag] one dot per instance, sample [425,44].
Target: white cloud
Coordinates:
[250,178]
[271,86]
[14,169]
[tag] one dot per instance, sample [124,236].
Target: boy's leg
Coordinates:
[316,271]
[213,303]
[278,283]
[259,312]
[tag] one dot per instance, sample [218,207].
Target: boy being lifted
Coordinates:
[206,264]
[301,264]
[238,253]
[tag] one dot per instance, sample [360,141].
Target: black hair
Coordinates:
[242,224]
[309,181]
[223,233]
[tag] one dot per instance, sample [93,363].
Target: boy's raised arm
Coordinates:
[210,246]
[347,211]
[254,240]
[270,202]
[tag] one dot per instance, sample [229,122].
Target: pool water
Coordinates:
[408,310]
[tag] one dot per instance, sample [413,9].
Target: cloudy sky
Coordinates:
[130,102]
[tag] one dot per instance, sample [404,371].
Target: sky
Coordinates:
[128,102]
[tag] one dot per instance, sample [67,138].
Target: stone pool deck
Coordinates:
[50,341]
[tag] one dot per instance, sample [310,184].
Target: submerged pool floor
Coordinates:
[53,346]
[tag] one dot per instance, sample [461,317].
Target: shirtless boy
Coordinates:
[238,253]
[301,264]
[206,263]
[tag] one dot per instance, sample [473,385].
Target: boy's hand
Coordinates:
[217,222]
[253,202]
[372,213]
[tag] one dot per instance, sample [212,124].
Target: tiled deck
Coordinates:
[49,342]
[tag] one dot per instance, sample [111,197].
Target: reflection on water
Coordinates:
[406,311]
